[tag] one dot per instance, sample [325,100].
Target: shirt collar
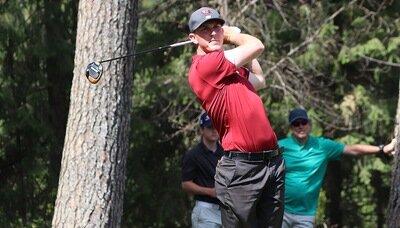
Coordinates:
[297,141]
[219,147]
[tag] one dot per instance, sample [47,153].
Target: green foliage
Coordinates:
[393,45]
[359,22]
[320,216]
[373,47]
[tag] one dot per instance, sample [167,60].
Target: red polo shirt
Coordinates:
[231,101]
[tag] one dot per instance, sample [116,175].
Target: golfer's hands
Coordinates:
[390,148]
[229,31]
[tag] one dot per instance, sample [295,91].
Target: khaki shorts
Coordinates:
[298,221]
[206,215]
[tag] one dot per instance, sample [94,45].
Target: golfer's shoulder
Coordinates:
[211,58]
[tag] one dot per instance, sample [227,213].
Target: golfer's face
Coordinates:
[300,129]
[210,36]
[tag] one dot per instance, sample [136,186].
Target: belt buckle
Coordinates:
[268,154]
[263,155]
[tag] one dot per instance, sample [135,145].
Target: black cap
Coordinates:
[297,114]
[205,120]
[202,15]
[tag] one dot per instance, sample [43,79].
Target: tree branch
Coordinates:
[380,61]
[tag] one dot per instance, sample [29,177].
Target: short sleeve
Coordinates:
[333,149]
[214,68]
[188,167]
[244,72]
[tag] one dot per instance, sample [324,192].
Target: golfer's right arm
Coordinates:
[247,47]
[256,75]
[247,50]
[195,189]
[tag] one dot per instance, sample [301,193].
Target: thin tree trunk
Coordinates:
[380,197]
[92,178]
[333,182]
[393,219]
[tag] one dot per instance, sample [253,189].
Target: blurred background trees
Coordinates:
[37,43]
[338,59]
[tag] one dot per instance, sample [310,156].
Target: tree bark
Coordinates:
[92,177]
[393,219]
[333,182]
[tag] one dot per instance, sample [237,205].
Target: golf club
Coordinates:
[94,70]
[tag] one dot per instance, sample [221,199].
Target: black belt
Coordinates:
[253,156]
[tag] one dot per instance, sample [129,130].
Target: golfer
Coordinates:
[249,180]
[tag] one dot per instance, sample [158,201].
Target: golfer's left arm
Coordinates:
[256,75]
[361,149]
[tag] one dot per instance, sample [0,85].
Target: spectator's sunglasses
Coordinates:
[299,122]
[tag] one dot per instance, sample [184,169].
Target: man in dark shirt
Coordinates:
[198,171]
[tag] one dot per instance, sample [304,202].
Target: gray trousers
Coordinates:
[251,192]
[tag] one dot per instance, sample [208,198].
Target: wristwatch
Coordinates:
[381,148]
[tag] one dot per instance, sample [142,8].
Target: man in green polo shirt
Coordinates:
[306,158]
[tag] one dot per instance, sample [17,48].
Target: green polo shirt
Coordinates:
[305,171]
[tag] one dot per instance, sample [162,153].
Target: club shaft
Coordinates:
[149,50]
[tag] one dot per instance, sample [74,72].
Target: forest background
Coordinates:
[338,59]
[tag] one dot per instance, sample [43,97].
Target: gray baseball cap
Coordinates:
[202,15]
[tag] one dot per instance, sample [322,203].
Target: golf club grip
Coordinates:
[149,50]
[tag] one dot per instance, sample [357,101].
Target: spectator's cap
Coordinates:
[205,120]
[297,114]
[202,15]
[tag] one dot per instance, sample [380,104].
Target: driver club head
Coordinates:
[93,72]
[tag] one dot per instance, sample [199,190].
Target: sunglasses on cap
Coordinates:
[299,122]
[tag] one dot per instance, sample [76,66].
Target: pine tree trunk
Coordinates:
[394,200]
[92,177]
[333,183]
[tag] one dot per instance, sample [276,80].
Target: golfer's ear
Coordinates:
[192,37]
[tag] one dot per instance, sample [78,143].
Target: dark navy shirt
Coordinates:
[198,165]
